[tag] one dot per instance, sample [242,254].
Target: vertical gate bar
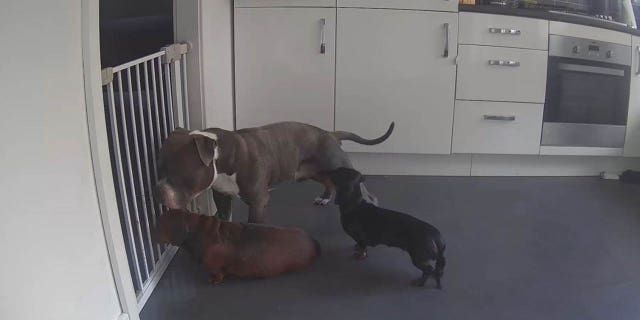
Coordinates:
[168,80]
[136,153]
[147,174]
[156,106]
[181,84]
[132,186]
[185,91]
[176,89]
[121,189]
[154,166]
[156,113]
[162,102]
[164,116]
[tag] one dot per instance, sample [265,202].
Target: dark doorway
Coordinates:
[132,29]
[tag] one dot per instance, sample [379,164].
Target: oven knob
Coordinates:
[610,54]
[576,49]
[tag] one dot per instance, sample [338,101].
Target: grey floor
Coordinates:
[518,248]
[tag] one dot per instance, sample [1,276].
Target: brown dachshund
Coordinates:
[240,249]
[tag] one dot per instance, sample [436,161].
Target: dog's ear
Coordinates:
[206,149]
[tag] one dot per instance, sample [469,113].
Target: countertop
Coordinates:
[546,15]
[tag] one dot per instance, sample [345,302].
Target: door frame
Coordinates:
[100,156]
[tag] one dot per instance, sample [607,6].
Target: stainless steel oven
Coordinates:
[587,93]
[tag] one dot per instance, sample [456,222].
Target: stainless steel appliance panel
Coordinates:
[583,135]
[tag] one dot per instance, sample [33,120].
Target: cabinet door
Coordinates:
[282,74]
[392,66]
[632,142]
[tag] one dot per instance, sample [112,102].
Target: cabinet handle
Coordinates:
[638,62]
[504,63]
[513,32]
[323,44]
[499,118]
[446,40]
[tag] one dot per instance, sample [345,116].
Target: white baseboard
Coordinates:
[411,164]
[489,165]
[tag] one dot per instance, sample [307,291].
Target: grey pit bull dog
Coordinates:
[248,162]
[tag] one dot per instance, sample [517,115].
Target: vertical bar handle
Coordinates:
[323,43]
[446,40]
[499,118]
[638,61]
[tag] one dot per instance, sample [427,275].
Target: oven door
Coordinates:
[586,103]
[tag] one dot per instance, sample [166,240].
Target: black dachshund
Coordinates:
[370,225]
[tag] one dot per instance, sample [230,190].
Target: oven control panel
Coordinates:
[586,49]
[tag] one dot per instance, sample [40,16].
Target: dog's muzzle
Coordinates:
[168,195]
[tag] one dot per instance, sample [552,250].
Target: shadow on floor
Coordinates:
[517,248]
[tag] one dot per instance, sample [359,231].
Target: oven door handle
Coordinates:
[590,69]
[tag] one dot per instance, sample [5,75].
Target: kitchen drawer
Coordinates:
[284,3]
[434,5]
[520,78]
[497,127]
[503,31]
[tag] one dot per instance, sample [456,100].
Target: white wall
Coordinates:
[54,258]
[208,26]
[217,62]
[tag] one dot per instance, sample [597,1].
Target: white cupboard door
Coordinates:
[397,65]
[285,66]
[632,142]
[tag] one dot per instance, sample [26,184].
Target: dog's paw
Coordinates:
[418,282]
[216,278]
[360,255]
[321,201]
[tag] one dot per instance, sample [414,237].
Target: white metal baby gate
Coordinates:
[145,99]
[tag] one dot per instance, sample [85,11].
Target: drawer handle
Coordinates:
[504,63]
[499,118]
[513,32]
[323,43]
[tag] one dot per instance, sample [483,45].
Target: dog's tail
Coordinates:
[345,135]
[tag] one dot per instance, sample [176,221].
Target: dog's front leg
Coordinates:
[329,190]
[223,203]
[258,208]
